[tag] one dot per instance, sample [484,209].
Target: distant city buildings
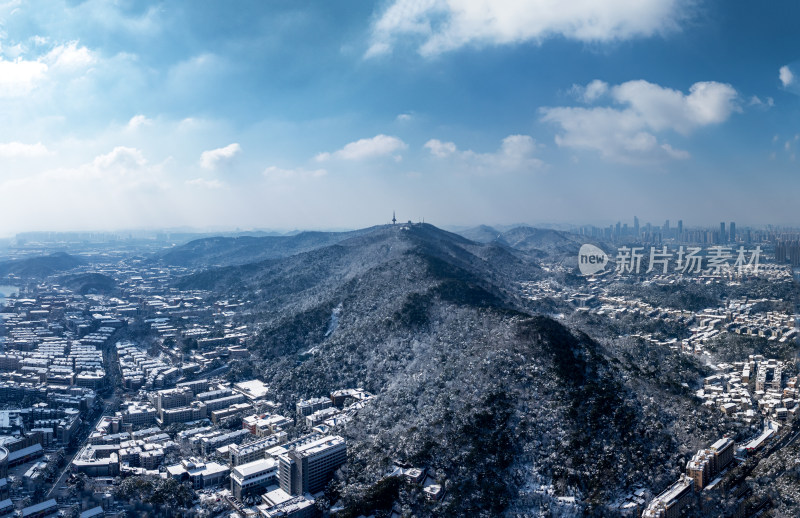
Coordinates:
[667,233]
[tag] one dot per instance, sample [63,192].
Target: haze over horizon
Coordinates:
[328,115]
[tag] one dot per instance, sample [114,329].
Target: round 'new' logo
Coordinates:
[591,259]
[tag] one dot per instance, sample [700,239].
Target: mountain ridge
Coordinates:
[470,379]
[40,266]
[227,251]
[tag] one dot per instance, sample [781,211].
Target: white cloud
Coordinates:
[69,57]
[137,121]
[121,167]
[212,158]
[107,190]
[18,149]
[444,25]
[19,77]
[768,102]
[279,173]
[786,76]
[661,108]
[628,133]
[121,159]
[377,146]
[204,183]
[440,149]
[591,92]
[516,153]
[39,40]
[404,117]
[14,51]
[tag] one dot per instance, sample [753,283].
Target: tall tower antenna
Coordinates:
[394,219]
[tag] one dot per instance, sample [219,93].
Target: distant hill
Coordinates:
[482,234]
[472,381]
[530,238]
[40,266]
[226,251]
[542,243]
[86,283]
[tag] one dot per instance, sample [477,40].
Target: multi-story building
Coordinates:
[214,394]
[307,468]
[670,503]
[265,424]
[707,463]
[722,451]
[307,407]
[242,454]
[278,503]
[321,415]
[202,475]
[699,469]
[230,412]
[338,397]
[209,444]
[197,386]
[139,415]
[194,412]
[294,507]
[253,477]
[3,462]
[173,398]
[224,402]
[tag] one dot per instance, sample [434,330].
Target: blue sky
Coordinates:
[331,114]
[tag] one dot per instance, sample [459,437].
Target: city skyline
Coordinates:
[629,224]
[140,114]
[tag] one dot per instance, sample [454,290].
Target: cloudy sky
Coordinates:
[330,114]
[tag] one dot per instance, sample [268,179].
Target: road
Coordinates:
[109,406]
[62,477]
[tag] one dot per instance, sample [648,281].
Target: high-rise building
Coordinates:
[680,228]
[636,226]
[732,229]
[794,253]
[709,462]
[699,469]
[780,252]
[309,467]
[723,237]
[722,452]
